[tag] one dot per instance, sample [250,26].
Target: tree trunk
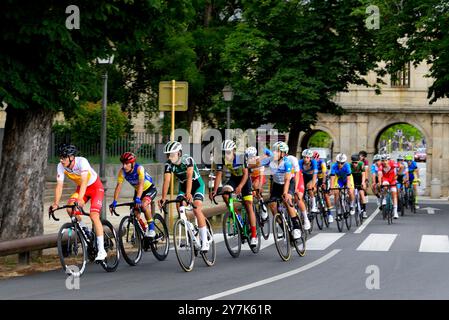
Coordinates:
[22,172]
[293,138]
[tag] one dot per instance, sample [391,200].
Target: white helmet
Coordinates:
[376,157]
[251,152]
[228,145]
[341,157]
[283,147]
[172,146]
[276,145]
[307,153]
[388,156]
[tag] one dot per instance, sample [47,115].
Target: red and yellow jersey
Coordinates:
[258,170]
[81,166]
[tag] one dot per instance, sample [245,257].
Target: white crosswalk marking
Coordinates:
[377,242]
[322,240]
[434,243]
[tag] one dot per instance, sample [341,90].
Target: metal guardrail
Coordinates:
[25,246]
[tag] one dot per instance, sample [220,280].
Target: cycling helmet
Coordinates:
[251,152]
[409,157]
[383,157]
[376,157]
[275,145]
[400,157]
[316,155]
[388,156]
[341,157]
[355,157]
[228,145]
[307,153]
[66,150]
[363,153]
[283,147]
[128,157]
[172,146]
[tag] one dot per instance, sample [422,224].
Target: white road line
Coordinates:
[367,221]
[377,242]
[322,240]
[273,279]
[434,243]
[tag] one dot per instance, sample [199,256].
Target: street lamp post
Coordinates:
[104,62]
[228,95]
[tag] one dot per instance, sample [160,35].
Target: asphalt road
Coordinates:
[406,260]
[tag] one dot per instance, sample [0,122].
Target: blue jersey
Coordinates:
[342,173]
[411,170]
[313,169]
[278,168]
[374,169]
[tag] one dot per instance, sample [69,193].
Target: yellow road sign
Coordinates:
[181,95]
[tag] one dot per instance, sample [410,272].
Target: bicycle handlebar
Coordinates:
[166,202]
[278,200]
[221,194]
[51,213]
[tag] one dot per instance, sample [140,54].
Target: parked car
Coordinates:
[420,155]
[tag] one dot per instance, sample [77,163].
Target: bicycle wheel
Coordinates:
[339,215]
[210,256]
[281,237]
[130,241]
[161,242]
[347,215]
[300,244]
[112,260]
[319,217]
[183,243]
[357,212]
[231,234]
[312,215]
[401,205]
[71,250]
[389,206]
[264,225]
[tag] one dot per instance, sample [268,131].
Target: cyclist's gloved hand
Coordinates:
[113,204]
[137,201]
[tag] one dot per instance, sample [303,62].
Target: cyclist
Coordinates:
[387,177]
[258,178]
[402,172]
[144,193]
[89,187]
[364,158]
[299,189]
[283,185]
[375,177]
[239,182]
[342,171]
[322,181]
[309,168]
[191,185]
[359,176]
[413,176]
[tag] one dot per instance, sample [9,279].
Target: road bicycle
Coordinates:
[77,245]
[387,207]
[283,231]
[342,208]
[358,216]
[237,228]
[132,239]
[258,207]
[186,238]
[321,216]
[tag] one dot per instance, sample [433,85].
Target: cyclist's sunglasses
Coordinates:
[355,162]
[341,163]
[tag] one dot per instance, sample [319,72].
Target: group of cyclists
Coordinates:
[290,180]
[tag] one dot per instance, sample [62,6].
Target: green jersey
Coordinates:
[180,170]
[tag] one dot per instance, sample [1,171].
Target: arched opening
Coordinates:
[320,141]
[404,139]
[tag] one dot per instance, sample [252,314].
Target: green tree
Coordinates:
[422,27]
[288,59]
[47,67]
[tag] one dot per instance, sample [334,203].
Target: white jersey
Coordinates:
[295,163]
[81,166]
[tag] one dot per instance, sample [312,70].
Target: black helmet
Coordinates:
[66,150]
[355,157]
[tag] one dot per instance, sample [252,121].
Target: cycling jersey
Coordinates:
[237,166]
[278,168]
[358,170]
[81,166]
[257,171]
[402,168]
[134,176]
[388,171]
[322,169]
[295,164]
[342,174]
[411,170]
[312,169]
[180,170]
